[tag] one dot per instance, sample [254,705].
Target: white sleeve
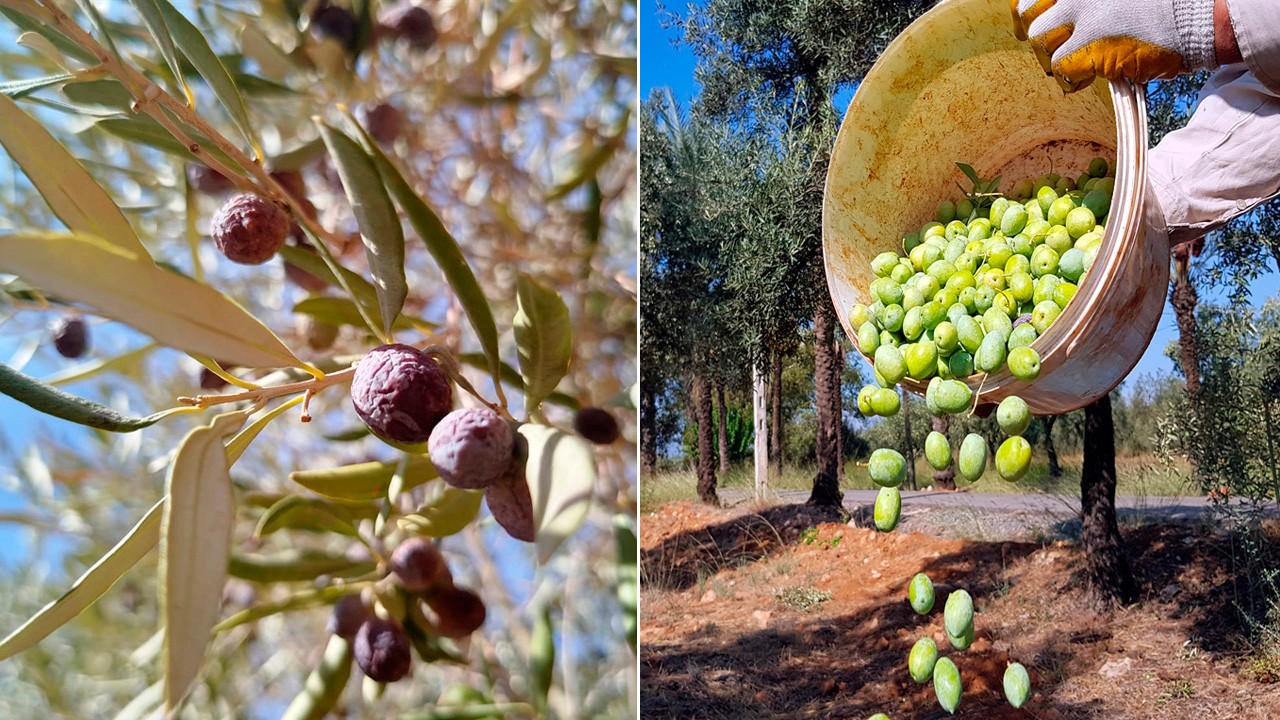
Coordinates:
[1225,162]
[1257,27]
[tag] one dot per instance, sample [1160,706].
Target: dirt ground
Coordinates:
[718,642]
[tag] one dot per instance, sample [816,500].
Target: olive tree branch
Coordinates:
[156,102]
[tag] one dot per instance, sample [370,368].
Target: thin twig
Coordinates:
[266,393]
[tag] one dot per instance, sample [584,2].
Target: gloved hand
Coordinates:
[1078,40]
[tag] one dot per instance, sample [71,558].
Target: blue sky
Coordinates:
[661,64]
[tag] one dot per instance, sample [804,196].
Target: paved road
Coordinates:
[1056,506]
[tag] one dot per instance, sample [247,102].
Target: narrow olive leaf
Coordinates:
[72,193]
[142,705]
[130,288]
[255,86]
[446,252]
[543,339]
[96,18]
[471,712]
[324,685]
[295,566]
[195,547]
[362,291]
[124,363]
[364,482]
[294,512]
[296,157]
[64,44]
[511,376]
[624,527]
[446,514]
[562,475]
[16,89]
[379,225]
[349,435]
[141,130]
[238,444]
[342,311]
[88,587]
[270,59]
[105,93]
[193,45]
[154,20]
[586,170]
[300,600]
[542,658]
[52,401]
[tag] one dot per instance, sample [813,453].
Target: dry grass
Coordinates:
[1139,475]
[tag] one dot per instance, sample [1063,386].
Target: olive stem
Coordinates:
[310,387]
[155,100]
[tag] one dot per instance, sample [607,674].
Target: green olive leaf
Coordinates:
[343,311]
[511,376]
[379,225]
[195,546]
[295,566]
[447,513]
[88,587]
[362,291]
[125,363]
[300,600]
[145,130]
[295,512]
[193,45]
[273,62]
[159,29]
[364,482]
[174,310]
[542,658]
[64,44]
[444,248]
[105,93]
[628,577]
[296,157]
[323,687]
[17,89]
[72,193]
[562,474]
[471,712]
[544,340]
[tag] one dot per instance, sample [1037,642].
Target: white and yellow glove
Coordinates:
[1078,40]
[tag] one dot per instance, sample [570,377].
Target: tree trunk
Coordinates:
[722,427]
[1184,299]
[944,479]
[648,428]
[706,456]
[1108,578]
[1055,470]
[909,452]
[837,396]
[775,402]
[826,483]
[760,433]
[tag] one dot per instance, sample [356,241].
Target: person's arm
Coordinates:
[1223,163]
[1225,45]
[1254,28]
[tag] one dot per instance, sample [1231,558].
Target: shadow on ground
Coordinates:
[683,559]
[1180,644]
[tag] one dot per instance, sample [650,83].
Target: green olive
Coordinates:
[1024,363]
[1013,459]
[1013,415]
